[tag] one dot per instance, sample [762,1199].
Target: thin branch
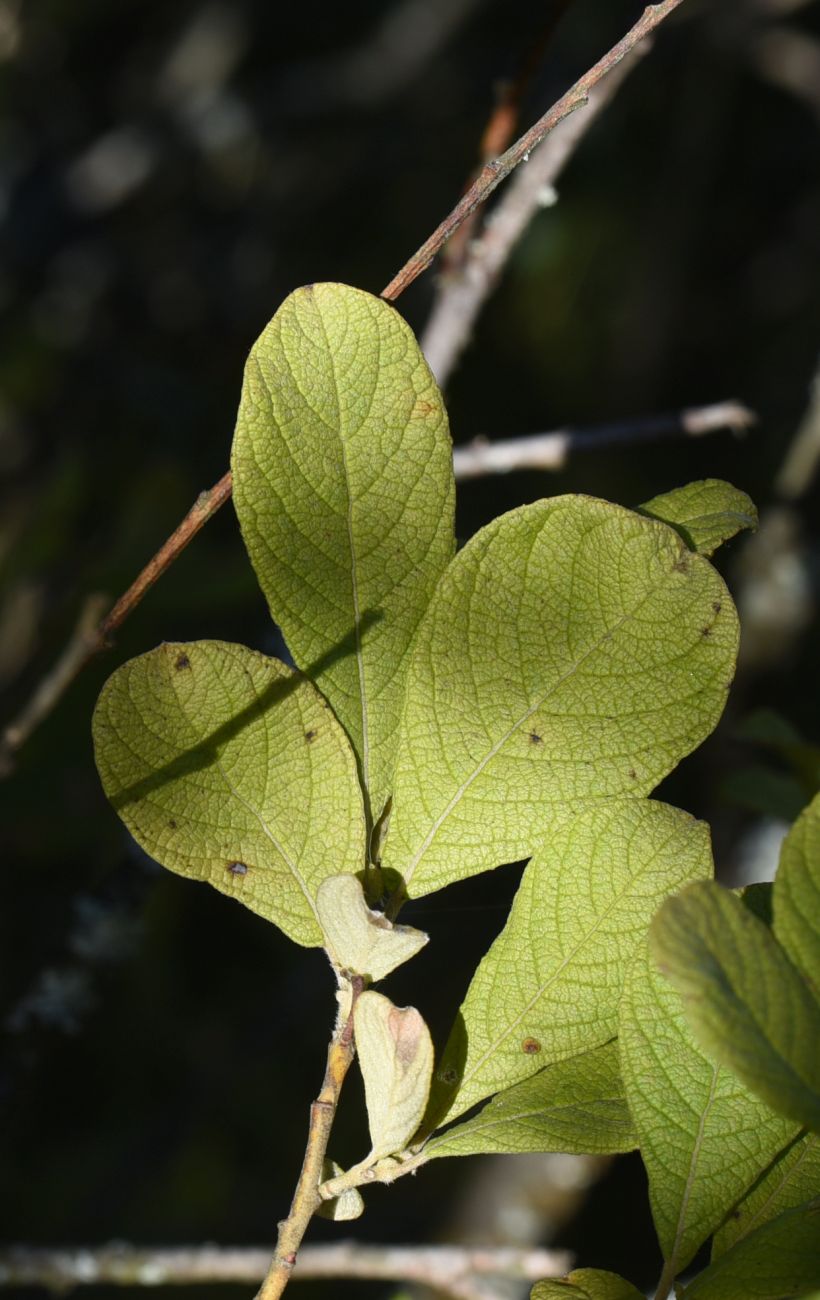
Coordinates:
[306,1199]
[550,450]
[494,172]
[440,1267]
[463,290]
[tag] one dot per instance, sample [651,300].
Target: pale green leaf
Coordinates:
[360,941]
[704,1137]
[780,1261]
[793,1178]
[549,986]
[706,514]
[747,1005]
[576,1106]
[573,651]
[228,767]
[796,902]
[396,1058]
[586,1284]
[348,1205]
[342,480]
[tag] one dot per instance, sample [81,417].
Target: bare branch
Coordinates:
[445,1268]
[495,171]
[551,450]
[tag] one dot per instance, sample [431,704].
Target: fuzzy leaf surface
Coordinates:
[780,1261]
[704,1137]
[396,1058]
[550,985]
[586,1284]
[796,902]
[793,1178]
[343,483]
[357,939]
[706,514]
[576,1106]
[747,1005]
[573,652]
[228,767]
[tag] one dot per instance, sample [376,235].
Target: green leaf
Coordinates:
[550,984]
[396,1058]
[228,767]
[573,651]
[342,480]
[704,1137]
[780,1261]
[706,514]
[747,1005]
[797,895]
[576,1106]
[586,1284]
[792,1179]
[358,940]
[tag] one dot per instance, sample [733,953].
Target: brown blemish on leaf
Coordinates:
[535,739]
[633,775]
[182,662]
[423,407]
[716,606]
[448,1076]
[682,564]
[172,825]
[238,868]
[706,631]
[310,736]
[405,1026]
[531,1046]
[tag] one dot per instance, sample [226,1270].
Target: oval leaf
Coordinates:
[228,767]
[573,651]
[746,1004]
[550,985]
[796,895]
[359,941]
[704,1137]
[792,1179]
[343,484]
[348,1205]
[779,1261]
[576,1106]
[396,1057]
[706,514]
[586,1284]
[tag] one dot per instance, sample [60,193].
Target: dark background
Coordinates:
[168,172]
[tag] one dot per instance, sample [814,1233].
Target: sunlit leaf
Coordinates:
[780,1261]
[586,1284]
[549,986]
[796,900]
[361,941]
[793,1178]
[396,1057]
[706,514]
[348,1205]
[228,767]
[573,652]
[577,1106]
[746,1003]
[704,1137]
[342,480]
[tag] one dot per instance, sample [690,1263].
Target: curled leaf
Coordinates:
[357,939]
[396,1058]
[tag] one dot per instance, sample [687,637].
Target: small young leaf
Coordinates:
[746,1003]
[343,484]
[706,514]
[797,895]
[228,767]
[358,940]
[572,652]
[704,1137]
[586,1284]
[793,1178]
[549,986]
[396,1058]
[349,1205]
[577,1106]
[780,1261]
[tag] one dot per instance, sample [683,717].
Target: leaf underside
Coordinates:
[796,895]
[780,1261]
[706,513]
[792,1179]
